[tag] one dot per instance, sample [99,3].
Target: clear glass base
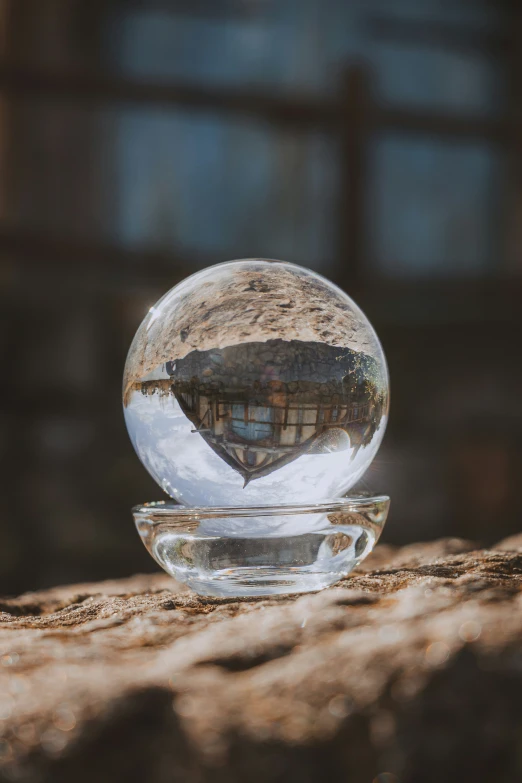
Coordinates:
[238,552]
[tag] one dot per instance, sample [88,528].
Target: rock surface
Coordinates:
[252,302]
[409,670]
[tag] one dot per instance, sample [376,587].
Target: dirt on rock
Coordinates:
[408,671]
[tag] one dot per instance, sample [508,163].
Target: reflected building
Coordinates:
[259,406]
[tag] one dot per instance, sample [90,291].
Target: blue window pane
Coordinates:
[259,424]
[430,211]
[273,43]
[223,188]
[438,79]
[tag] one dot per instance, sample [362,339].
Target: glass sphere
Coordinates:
[255,382]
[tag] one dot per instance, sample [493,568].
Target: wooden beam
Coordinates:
[442,35]
[206,9]
[354,136]
[99,89]
[442,125]
[37,250]
[52,262]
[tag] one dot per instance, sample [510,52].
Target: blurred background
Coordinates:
[378,143]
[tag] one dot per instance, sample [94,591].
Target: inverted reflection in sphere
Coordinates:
[255,383]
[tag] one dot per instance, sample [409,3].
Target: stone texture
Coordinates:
[410,670]
[283,360]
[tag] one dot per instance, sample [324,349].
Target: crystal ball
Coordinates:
[253,383]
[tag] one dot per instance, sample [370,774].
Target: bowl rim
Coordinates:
[169,508]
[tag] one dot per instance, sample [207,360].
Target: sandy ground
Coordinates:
[247,301]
